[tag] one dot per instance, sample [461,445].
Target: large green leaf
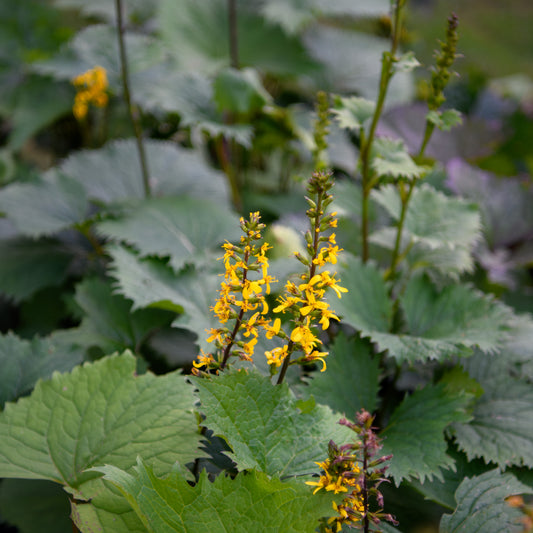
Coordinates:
[293,15]
[109,322]
[99,506]
[433,218]
[481,505]
[99,413]
[151,283]
[415,433]
[196,34]
[98,45]
[113,173]
[29,265]
[259,420]
[27,118]
[351,381]
[391,159]
[444,230]
[249,502]
[23,362]
[502,428]
[240,91]
[183,228]
[44,207]
[366,306]
[190,94]
[352,62]
[438,323]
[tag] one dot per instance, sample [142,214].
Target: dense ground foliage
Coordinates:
[228,226]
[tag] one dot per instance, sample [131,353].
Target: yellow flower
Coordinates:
[331,282]
[286,303]
[91,87]
[204,359]
[273,330]
[276,356]
[304,336]
[318,356]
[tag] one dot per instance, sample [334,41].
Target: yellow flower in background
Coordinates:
[91,87]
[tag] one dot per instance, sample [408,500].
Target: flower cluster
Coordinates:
[241,300]
[444,59]
[91,87]
[304,300]
[351,469]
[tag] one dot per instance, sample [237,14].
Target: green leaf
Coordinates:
[29,265]
[366,306]
[258,419]
[444,323]
[183,228]
[35,506]
[438,324]
[481,505]
[151,283]
[445,120]
[391,159]
[293,15]
[97,44]
[191,95]
[99,413]
[352,112]
[502,428]
[196,36]
[171,505]
[112,173]
[27,118]
[23,362]
[240,91]
[351,381]
[109,322]
[45,206]
[415,433]
[99,506]
[434,219]
[352,61]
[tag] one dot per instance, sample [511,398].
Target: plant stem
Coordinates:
[224,158]
[233,34]
[366,142]
[405,199]
[312,270]
[285,365]
[133,111]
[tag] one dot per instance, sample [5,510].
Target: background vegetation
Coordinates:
[99,257]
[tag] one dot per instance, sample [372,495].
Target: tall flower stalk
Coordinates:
[368,176]
[241,307]
[304,301]
[440,77]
